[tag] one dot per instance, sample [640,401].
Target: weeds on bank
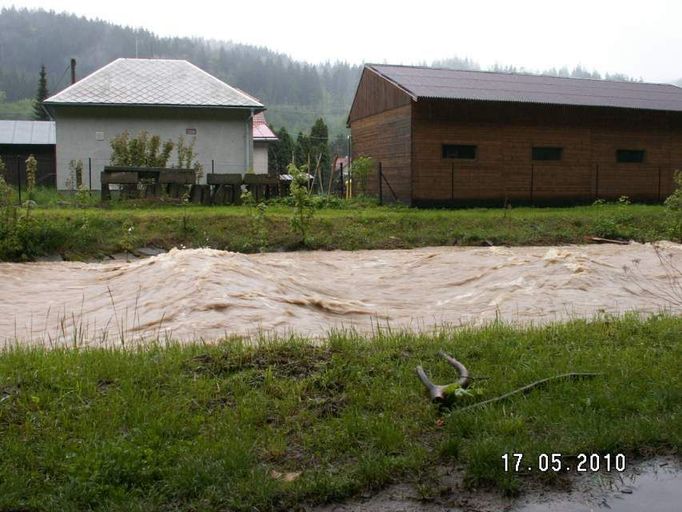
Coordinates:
[283,423]
[259,226]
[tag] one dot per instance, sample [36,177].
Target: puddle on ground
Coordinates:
[654,486]
[207,294]
[651,487]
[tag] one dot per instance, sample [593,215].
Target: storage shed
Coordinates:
[19,140]
[450,137]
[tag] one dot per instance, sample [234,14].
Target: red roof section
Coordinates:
[261,130]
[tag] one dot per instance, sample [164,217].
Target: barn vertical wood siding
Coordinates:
[407,136]
[381,121]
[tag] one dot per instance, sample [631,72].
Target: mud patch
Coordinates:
[652,486]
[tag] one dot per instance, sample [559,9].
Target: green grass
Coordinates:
[202,427]
[93,232]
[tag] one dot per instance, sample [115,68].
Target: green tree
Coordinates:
[319,149]
[302,150]
[39,113]
[339,146]
[280,152]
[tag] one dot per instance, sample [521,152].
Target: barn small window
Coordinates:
[547,153]
[630,156]
[459,151]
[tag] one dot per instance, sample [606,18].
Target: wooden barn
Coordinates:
[449,137]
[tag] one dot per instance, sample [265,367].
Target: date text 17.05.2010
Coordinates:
[556,462]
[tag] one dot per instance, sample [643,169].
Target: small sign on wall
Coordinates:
[99,136]
[190,131]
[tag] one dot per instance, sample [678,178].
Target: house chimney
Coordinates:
[73,71]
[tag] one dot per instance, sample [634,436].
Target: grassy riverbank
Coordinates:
[233,427]
[90,233]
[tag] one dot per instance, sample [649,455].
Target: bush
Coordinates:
[141,151]
[303,204]
[674,201]
[360,169]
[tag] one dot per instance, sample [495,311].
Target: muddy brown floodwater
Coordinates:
[207,294]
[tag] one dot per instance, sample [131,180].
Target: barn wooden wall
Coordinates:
[505,135]
[386,137]
[407,138]
[375,95]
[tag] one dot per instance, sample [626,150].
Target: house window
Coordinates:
[190,131]
[630,156]
[547,153]
[459,151]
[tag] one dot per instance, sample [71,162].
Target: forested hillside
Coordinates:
[296,93]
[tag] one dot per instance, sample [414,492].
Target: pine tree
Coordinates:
[319,142]
[280,152]
[41,95]
[302,154]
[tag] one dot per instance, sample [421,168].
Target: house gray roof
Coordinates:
[424,82]
[27,132]
[153,82]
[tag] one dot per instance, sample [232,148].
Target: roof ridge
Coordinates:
[154,82]
[522,73]
[86,77]
[215,78]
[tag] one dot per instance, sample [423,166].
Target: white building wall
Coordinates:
[260,157]
[222,136]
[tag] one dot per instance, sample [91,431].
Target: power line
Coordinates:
[56,89]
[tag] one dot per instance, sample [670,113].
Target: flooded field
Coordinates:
[207,294]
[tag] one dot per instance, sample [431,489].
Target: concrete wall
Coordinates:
[260,157]
[222,136]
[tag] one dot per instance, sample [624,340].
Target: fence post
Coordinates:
[90,173]
[532,175]
[381,178]
[596,184]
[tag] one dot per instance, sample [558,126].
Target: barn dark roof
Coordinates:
[425,82]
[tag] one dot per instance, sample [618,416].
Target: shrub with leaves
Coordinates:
[360,170]
[186,157]
[5,189]
[674,201]
[303,204]
[141,151]
[75,179]
[674,205]
[31,173]
[259,225]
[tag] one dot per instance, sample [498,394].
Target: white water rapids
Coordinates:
[208,294]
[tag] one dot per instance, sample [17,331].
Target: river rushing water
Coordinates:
[208,294]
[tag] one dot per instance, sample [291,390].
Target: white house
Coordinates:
[169,98]
[262,137]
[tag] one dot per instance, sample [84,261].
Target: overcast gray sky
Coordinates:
[639,38]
